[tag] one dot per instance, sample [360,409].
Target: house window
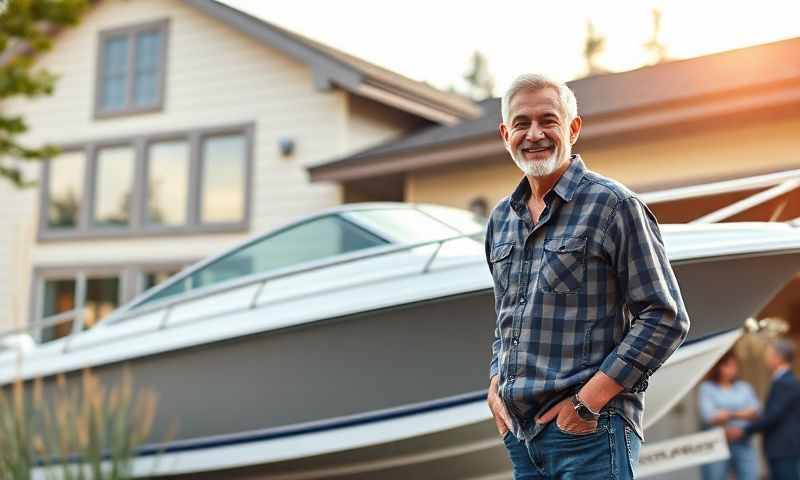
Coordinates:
[179,183]
[113,186]
[167,183]
[59,297]
[100,296]
[96,292]
[65,190]
[223,178]
[131,69]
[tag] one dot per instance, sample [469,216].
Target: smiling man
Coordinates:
[587,304]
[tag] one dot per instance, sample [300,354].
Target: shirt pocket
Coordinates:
[501,266]
[563,265]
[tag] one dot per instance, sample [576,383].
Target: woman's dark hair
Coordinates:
[714,373]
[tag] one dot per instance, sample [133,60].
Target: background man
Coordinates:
[569,251]
[780,422]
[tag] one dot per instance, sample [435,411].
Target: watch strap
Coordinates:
[582,409]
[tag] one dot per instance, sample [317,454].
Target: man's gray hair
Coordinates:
[785,349]
[535,81]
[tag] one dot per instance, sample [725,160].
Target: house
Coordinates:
[185,126]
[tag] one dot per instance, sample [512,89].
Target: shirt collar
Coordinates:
[779,372]
[565,186]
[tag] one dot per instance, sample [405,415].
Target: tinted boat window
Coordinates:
[315,239]
[407,225]
[463,220]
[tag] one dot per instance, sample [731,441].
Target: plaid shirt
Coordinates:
[589,287]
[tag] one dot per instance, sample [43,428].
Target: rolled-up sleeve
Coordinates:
[493,365]
[659,321]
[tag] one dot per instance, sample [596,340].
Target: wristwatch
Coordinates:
[582,410]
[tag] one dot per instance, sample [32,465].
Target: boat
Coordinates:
[355,342]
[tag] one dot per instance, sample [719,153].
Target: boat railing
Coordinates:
[76,315]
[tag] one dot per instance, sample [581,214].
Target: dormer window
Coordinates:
[131,68]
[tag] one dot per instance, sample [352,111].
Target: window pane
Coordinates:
[146,88]
[405,224]
[223,179]
[167,183]
[464,221]
[174,289]
[114,92]
[59,297]
[324,237]
[151,279]
[148,64]
[102,297]
[65,190]
[148,51]
[115,72]
[114,186]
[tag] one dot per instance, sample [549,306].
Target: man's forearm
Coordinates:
[659,322]
[598,391]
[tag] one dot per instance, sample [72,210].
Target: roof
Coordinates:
[335,68]
[486,124]
[649,97]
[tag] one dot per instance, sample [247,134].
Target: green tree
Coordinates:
[594,45]
[655,46]
[27,28]
[480,82]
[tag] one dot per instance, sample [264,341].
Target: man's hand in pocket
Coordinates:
[498,408]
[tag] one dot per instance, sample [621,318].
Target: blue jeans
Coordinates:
[743,462]
[784,469]
[612,451]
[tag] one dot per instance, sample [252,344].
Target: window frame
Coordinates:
[130,275]
[138,226]
[131,31]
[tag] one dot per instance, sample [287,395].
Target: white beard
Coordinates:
[539,168]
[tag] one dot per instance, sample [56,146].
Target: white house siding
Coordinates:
[16,212]
[216,76]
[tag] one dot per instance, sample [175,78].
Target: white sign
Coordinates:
[687,451]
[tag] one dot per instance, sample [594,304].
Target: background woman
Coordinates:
[724,400]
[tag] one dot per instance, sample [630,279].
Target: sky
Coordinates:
[432,40]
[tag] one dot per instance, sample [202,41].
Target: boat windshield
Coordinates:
[464,221]
[315,239]
[424,223]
